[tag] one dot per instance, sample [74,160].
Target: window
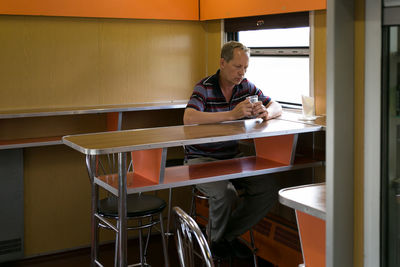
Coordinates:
[279,59]
[279,62]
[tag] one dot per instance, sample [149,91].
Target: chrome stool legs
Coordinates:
[143,250]
[193,214]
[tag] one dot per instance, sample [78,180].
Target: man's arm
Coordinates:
[274,110]
[192,116]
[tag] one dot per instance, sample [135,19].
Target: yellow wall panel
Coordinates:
[320,62]
[57,190]
[214,44]
[57,200]
[63,62]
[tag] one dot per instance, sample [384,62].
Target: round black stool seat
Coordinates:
[137,205]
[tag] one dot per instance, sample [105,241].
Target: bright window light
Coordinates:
[282,77]
[290,37]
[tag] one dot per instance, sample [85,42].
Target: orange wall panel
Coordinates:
[154,9]
[211,9]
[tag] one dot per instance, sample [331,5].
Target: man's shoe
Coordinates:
[240,250]
[221,249]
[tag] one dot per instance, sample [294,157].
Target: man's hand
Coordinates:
[243,109]
[260,111]
[272,110]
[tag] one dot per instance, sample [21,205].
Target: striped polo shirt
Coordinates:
[207,96]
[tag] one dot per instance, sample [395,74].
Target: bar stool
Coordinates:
[142,208]
[146,210]
[196,194]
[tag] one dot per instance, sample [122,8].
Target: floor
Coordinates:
[81,257]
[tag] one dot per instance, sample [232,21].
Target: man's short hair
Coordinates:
[229,47]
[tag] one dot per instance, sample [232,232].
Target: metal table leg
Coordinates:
[91,167]
[122,231]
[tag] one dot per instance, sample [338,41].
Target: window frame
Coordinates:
[278,21]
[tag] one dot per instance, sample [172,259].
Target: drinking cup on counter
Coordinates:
[308,107]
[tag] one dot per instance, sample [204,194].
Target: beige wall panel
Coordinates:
[153,118]
[56,61]
[62,62]
[57,200]
[12,129]
[320,62]
[214,44]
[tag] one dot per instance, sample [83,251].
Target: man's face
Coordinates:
[234,70]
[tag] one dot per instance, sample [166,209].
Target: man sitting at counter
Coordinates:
[223,97]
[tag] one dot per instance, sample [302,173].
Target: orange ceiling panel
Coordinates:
[212,9]
[154,9]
